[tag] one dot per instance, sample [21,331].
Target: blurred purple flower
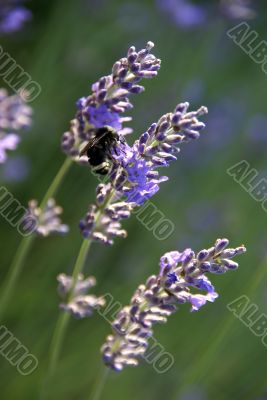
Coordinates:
[14,116]
[257,130]
[133,16]
[14,113]
[237,9]
[15,169]
[183,12]
[206,214]
[226,118]
[13,16]
[7,142]
[193,90]
[193,393]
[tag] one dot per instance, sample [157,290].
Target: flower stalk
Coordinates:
[25,246]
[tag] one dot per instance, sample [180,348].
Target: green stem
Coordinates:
[27,242]
[64,317]
[52,190]
[14,272]
[98,389]
[205,361]
[63,320]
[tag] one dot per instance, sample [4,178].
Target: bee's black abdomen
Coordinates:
[96,156]
[99,152]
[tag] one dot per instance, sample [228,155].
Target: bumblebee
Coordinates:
[99,149]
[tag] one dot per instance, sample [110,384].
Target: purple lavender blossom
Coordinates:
[101,116]
[156,148]
[138,186]
[80,305]
[102,221]
[47,219]
[13,16]
[181,277]
[135,177]
[14,116]
[110,99]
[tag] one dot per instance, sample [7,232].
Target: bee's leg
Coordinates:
[122,139]
[102,169]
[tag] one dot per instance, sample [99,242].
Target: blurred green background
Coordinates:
[66,47]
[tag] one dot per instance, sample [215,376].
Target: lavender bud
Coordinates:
[220,245]
[136,89]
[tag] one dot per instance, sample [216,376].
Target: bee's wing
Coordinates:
[91,143]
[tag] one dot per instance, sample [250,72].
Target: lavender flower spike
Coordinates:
[80,305]
[110,99]
[102,221]
[156,148]
[182,279]
[14,116]
[47,220]
[135,177]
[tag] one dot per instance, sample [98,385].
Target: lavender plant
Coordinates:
[82,304]
[44,221]
[133,179]
[110,99]
[182,279]
[47,219]
[134,176]
[14,116]
[93,111]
